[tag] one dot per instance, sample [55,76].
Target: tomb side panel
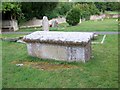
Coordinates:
[75,53]
[47,51]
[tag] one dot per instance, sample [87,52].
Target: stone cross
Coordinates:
[45,24]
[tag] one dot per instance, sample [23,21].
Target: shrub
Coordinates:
[73,17]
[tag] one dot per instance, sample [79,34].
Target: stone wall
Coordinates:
[102,16]
[97,17]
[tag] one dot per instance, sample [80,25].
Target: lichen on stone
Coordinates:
[64,38]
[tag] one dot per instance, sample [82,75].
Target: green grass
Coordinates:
[106,25]
[100,72]
[29,29]
[98,38]
[11,35]
[111,12]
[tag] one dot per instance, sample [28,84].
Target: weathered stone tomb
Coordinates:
[63,46]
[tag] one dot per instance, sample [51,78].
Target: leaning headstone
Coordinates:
[45,24]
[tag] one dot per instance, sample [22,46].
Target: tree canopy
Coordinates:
[28,10]
[37,9]
[13,10]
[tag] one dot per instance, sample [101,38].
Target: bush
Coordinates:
[52,14]
[86,15]
[73,17]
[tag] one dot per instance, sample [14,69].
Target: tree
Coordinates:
[11,10]
[86,9]
[101,6]
[112,6]
[73,17]
[93,9]
[63,8]
[107,6]
[37,9]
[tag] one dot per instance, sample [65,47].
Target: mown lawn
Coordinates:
[11,35]
[111,12]
[105,25]
[100,72]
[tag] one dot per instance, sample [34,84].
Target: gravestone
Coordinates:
[80,21]
[54,23]
[45,24]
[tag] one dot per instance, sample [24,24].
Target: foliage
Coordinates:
[107,6]
[63,7]
[86,9]
[37,9]
[14,9]
[112,6]
[93,9]
[83,9]
[101,6]
[52,14]
[60,10]
[23,11]
[73,17]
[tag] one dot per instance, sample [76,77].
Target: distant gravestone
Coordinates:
[54,23]
[45,24]
[80,21]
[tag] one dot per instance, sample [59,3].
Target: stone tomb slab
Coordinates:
[63,46]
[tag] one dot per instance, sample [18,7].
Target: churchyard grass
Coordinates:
[11,35]
[111,12]
[100,72]
[31,29]
[105,25]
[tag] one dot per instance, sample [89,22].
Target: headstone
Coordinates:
[0,30]
[54,23]
[15,25]
[45,24]
[80,20]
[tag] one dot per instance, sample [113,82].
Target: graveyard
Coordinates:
[61,55]
[106,25]
[102,67]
